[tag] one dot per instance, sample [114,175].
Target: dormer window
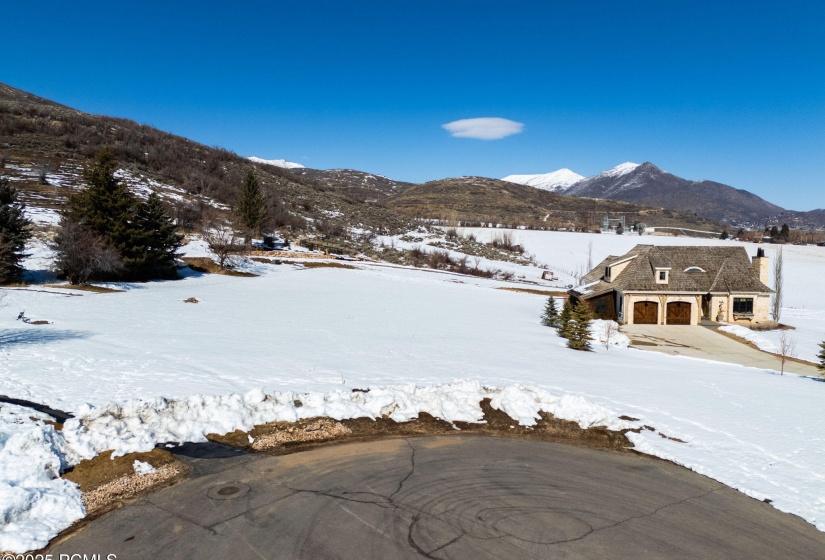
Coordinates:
[662,275]
[607,273]
[694,269]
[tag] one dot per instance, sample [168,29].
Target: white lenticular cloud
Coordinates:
[486,128]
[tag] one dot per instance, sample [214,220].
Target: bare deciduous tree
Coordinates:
[609,332]
[776,310]
[224,242]
[42,168]
[81,253]
[787,350]
[590,255]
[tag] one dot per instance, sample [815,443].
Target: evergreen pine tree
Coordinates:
[251,206]
[15,230]
[141,233]
[550,317]
[724,235]
[785,232]
[106,206]
[565,319]
[579,337]
[156,241]
[821,357]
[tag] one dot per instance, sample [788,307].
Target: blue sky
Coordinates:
[729,91]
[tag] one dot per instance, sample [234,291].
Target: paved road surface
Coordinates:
[703,342]
[450,497]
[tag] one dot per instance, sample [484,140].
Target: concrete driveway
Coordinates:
[449,497]
[704,342]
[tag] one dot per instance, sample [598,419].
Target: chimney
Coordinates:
[760,265]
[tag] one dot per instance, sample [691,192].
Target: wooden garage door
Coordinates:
[645,313]
[678,313]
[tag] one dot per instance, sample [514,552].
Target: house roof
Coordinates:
[720,269]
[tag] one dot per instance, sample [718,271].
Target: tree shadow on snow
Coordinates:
[14,337]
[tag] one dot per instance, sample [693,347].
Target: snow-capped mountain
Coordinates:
[648,185]
[611,182]
[556,181]
[276,162]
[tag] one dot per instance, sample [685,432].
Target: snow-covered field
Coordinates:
[435,342]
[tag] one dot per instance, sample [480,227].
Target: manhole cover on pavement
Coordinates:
[228,491]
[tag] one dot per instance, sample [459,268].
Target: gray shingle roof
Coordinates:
[723,269]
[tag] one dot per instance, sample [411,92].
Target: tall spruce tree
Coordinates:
[106,206]
[141,232]
[821,357]
[550,317]
[579,337]
[565,319]
[251,207]
[156,241]
[15,230]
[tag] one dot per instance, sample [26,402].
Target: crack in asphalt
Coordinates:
[389,502]
[409,474]
[632,518]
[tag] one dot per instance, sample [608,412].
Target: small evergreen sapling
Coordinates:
[821,357]
[564,319]
[579,331]
[550,317]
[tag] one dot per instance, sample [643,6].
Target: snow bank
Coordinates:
[751,336]
[607,332]
[35,504]
[139,425]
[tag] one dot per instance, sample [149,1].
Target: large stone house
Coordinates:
[679,286]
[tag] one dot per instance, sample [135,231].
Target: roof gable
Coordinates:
[691,269]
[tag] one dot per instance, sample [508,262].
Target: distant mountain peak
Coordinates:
[556,181]
[621,169]
[276,162]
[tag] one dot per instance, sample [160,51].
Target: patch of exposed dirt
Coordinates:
[290,437]
[108,484]
[93,474]
[322,264]
[85,288]
[208,266]
[546,293]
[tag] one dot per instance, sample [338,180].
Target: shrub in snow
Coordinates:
[607,333]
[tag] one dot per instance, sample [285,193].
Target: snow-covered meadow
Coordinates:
[421,340]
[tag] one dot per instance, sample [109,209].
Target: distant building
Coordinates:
[679,286]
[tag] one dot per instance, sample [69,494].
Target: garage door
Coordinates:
[645,313]
[678,313]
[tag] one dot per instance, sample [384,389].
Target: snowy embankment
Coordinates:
[756,337]
[35,504]
[140,425]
